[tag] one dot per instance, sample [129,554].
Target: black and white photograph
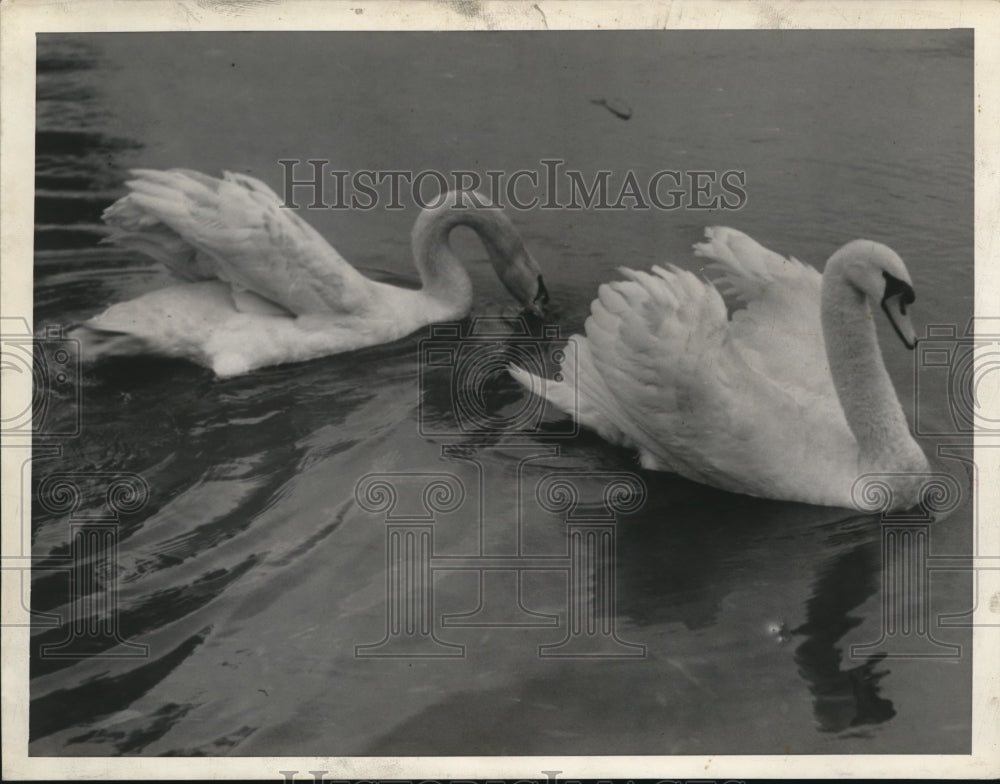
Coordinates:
[479,382]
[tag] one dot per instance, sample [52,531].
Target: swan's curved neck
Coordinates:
[441,271]
[863,385]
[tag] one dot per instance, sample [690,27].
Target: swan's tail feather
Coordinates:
[556,392]
[561,391]
[578,390]
[98,343]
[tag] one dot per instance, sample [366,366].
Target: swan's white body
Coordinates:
[789,399]
[262,287]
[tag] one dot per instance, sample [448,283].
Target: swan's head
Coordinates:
[522,277]
[878,272]
[514,265]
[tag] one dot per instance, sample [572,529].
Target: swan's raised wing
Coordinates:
[659,342]
[686,398]
[778,329]
[234,229]
[638,377]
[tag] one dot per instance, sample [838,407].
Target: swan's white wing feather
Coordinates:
[679,390]
[778,331]
[234,229]
[651,338]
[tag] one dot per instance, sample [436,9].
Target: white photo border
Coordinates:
[21,20]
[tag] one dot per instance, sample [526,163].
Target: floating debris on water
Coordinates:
[618,108]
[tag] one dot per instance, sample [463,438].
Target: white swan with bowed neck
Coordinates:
[789,399]
[263,287]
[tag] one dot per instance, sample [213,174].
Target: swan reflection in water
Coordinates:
[842,698]
[718,544]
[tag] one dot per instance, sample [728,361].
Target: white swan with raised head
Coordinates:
[262,287]
[788,399]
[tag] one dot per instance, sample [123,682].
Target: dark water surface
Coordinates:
[252,573]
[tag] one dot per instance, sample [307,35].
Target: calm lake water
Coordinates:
[251,571]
